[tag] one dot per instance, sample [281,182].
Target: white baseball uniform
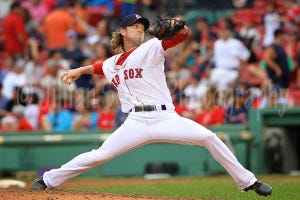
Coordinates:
[140,80]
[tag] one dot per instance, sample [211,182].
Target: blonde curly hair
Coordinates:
[116,41]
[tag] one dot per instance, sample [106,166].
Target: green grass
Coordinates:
[205,187]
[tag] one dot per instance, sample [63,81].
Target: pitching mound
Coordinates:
[63,193]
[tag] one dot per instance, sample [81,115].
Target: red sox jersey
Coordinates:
[139,74]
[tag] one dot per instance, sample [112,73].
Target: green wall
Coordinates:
[34,151]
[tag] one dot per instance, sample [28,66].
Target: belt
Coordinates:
[148,108]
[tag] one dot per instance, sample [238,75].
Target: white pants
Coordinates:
[148,127]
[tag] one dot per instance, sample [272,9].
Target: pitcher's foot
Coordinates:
[260,188]
[38,184]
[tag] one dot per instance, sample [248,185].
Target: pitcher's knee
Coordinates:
[209,137]
[101,156]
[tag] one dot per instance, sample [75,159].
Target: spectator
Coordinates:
[15,35]
[9,123]
[56,24]
[291,46]
[31,110]
[179,74]
[14,78]
[274,97]
[3,101]
[181,106]
[292,15]
[94,35]
[195,90]
[5,67]
[72,51]
[51,78]
[22,121]
[54,68]
[251,38]
[80,12]
[276,61]
[85,81]
[36,8]
[272,22]
[102,52]
[58,119]
[51,93]
[107,113]
[85,119]
[237,113]
[33,70]
[57,56]
[205,38]
[15,121]
[211,113]
[18,97]
[229,56]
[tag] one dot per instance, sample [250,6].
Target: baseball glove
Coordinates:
[166,28]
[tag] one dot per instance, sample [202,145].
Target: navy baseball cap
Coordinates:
[132,19]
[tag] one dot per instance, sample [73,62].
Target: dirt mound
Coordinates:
[64,193]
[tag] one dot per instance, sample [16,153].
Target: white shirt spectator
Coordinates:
[195,94]
[31,113]
[271,23]
[11,81]
[228,55]
[34,74]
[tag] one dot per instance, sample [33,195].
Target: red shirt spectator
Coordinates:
[24,125]
[211,113]
[14,32]
[106,120]
[211,117]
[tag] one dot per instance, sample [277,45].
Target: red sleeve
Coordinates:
[173,41]
[98,69]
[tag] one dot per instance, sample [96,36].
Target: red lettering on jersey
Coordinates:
[116,81]
[131,73]
[125,74]
[138,73]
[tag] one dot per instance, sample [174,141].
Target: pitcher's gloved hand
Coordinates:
[166,28]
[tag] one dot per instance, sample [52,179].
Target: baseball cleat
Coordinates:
[262,189]
[38,184]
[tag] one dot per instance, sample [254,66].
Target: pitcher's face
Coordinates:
[135,34]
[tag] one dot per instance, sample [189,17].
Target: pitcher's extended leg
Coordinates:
[184,131]
[131,135]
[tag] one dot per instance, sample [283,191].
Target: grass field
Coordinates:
[221,187]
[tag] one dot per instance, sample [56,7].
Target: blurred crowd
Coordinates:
[220,72]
